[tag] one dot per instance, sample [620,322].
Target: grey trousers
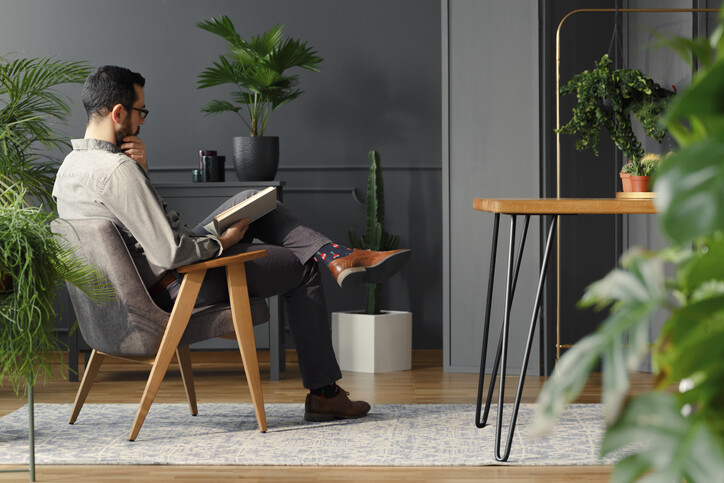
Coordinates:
[288,270]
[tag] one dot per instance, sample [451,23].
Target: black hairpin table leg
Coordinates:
[511,281]
[480,423]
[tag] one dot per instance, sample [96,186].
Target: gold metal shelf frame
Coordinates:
[558,135]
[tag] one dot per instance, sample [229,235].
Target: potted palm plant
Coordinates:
[256,70]
[373,340]
[608,98]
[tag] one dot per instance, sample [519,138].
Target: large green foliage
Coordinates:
[375,237]
[256,69]
[31,109]
[37,262]
[607,98]
[682,432]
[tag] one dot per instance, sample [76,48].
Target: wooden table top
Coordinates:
[565,206]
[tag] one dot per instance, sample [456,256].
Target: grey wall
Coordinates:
[490,149]
[379,89]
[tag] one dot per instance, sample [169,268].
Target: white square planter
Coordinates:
[372,343]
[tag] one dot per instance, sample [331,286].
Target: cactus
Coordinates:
[375,238]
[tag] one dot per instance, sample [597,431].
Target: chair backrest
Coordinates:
[132,324]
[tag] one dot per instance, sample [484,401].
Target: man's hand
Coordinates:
[134,148]
[234,233]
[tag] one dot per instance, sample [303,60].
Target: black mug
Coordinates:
[213,167]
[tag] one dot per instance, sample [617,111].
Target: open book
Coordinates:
[253,208]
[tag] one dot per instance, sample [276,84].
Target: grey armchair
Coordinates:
[133,326]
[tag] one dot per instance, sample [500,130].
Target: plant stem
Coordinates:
[31,428]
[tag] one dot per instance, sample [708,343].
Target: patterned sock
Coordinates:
[330,252]
[326,392]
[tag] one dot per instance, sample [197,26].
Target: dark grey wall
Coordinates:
[379,89]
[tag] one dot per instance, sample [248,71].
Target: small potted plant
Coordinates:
[625,175]
[607,98]
[374,340]
[256,69]
[642,172]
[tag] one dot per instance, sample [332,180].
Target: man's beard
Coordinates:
[125,130]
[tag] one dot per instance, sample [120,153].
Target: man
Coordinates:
[106,176]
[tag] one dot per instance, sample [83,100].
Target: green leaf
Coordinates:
[704,97]
[689,187]
[294,53]
[215,107]
[223,72]
[27,313]
[264,44]
[264,79]
[673,447]
[704,266]
[629,469]
[224,28]
[567,381]
[634,296]
[695,335]
[31,110]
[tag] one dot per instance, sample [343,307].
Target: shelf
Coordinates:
[644,195]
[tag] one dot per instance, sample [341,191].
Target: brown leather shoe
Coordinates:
[367,266]
[318,408]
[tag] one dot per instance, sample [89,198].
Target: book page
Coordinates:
[253,208]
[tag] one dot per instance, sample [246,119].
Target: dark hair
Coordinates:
[107,86]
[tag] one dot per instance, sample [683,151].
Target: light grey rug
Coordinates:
[227,434]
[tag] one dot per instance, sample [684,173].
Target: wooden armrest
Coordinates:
[222,261]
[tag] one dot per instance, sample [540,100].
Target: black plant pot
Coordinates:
[256,158]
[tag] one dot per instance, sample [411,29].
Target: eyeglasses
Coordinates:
[142,112]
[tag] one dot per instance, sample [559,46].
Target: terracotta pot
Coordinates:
[626,182]
[640,184]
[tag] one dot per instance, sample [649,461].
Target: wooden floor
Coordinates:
[219,378]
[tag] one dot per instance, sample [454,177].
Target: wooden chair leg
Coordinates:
[89,375]
[183,354]
[177,323]
[241,316]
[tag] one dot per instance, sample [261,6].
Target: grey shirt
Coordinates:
[96,180]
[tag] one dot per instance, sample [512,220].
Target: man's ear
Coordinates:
[117,114]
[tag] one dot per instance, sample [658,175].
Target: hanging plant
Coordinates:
[606,99]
